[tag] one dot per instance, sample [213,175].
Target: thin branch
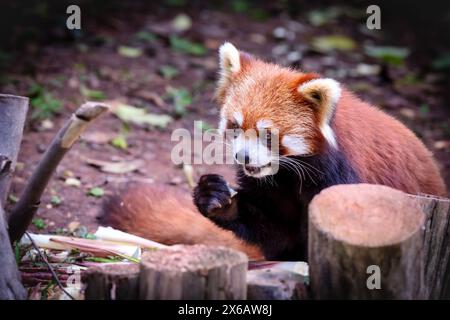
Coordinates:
[23,212]
[50,268]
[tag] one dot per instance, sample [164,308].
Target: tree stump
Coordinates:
[193,272]
[436,250]
[112,282]
[365,242]
[13,111]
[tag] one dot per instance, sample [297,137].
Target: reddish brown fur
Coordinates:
[166,215]
[384,151]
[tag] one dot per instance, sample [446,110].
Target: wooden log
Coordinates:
[112,282]
[193,272]
[436,250]
[365,242]
[273,284]
[13,110]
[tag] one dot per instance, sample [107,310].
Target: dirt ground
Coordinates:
[65,69]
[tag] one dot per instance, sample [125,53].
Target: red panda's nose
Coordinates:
[242,157]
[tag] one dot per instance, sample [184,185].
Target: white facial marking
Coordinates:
[329,135]
[239,118]
[264,124]
[295,144]
[222,122]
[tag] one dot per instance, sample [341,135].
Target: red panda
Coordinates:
[326,136]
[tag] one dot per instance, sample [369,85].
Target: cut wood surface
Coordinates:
[356,229]
[193,272]
[112,282]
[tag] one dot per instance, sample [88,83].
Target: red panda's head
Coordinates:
[259,97]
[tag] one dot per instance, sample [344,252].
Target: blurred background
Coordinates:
[158,62]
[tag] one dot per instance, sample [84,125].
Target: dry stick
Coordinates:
[26,207]
[13,110]
[365,242]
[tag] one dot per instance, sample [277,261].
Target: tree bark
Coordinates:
[365,242]
[112,282]
[23,212]
[193,272]
[436,253]
[13,110]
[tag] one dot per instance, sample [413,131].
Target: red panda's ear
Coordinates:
[324,94]
[230,60]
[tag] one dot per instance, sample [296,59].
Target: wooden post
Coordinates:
[193,272]
[436,253]
[112,282]
[13,110]
[365,242]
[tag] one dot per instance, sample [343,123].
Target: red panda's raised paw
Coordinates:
[213,198]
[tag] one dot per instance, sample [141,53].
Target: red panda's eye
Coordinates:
[232,125]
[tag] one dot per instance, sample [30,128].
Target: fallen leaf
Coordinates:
[391,55]
[181,22]
[120,142]
[442,144]
[131,114]
[129,52]
[168,72]
[333,42]
[185,46]
[92,94]
[39,223]
[116,167]
[74,182]
[181,98]
[96,192]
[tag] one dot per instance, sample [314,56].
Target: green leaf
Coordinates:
[390,55]
[145,36]
[96,192]
[181,98]
[240,6]
[168,72]
[424,109]
[131,114]
[43,103]
[13,199]
[56,200]
[129,52]
[92,94]
[120,142]
[333,42]
[39,223]
[185,46]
